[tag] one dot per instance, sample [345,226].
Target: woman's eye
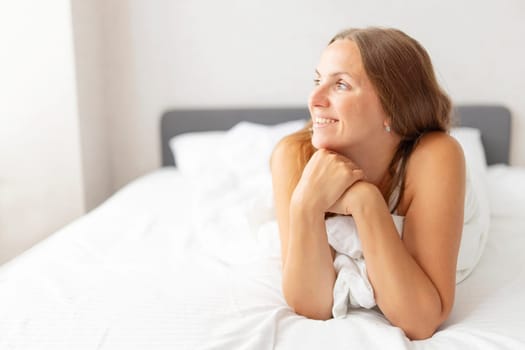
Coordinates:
[342,85]
[317,81]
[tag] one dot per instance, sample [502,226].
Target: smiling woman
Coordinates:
[375,146]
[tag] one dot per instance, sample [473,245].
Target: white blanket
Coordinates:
[133,274]
[352,288]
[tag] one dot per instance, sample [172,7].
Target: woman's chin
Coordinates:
[318,144]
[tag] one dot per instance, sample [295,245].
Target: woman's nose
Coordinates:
[319,96]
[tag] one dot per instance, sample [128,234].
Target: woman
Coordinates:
[377,134]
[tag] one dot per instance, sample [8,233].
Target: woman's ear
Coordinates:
[386,125]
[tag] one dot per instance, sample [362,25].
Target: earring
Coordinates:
[387,128]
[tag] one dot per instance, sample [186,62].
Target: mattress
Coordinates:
[154,267]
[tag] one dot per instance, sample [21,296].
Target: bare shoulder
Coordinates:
[291,154]
[437,163]
[285,166]
[282,150]
[435,155]
[282,158]
[435,147]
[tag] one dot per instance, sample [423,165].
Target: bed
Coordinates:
[187,256]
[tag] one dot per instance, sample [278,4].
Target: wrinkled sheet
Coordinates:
[156,267]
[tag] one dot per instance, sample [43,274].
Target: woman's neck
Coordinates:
[375,160]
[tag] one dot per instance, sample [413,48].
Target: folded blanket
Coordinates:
[352,289]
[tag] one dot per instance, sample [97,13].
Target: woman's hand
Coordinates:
[326,176]
[350,200]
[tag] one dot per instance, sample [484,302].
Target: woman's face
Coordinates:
[344,106]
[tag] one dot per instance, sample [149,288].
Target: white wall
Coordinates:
[235,53]
[89,55]
[40,168]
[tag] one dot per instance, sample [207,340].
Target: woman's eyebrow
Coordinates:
[336,73]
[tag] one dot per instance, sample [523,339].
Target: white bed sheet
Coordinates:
[133,274]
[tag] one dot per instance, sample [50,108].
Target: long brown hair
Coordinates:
[402,74]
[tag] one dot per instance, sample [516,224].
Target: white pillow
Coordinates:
[197,152]
[470,140]
[506,190]
[477,209]
[242,150]
[249,146]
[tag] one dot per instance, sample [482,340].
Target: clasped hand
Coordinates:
[325,182]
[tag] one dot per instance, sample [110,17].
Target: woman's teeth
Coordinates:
[324,121]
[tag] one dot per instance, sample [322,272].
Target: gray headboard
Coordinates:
[493,121]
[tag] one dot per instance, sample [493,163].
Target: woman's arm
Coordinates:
[308,272]
[414,278]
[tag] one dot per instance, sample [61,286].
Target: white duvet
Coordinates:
[141,272]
